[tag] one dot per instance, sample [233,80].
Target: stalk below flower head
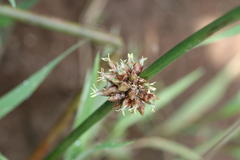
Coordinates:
[124,86]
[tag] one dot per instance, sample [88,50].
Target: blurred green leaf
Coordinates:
[232,108]
[157,66]
[198,104]
[5,21]
[165,96]
[212,146]
[25,4]
[233,31]
[13,3]
[168,146]
[235,152]
[86,107]
[190,42]
[2,157]
[101,147]
[16,96]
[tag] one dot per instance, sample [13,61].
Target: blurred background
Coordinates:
[148,27]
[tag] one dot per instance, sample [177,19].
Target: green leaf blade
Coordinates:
[191,42]
[13,3]
[101,147]
[198,104]
[233,31]
[152,70]
[168,146]
[13,98]
[86,107]
[2,157]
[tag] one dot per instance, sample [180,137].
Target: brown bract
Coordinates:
[124,85]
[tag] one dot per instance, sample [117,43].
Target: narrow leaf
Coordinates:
[16,96]
[194,40]
[62,26]
[232,108]
[235,152]
[198,104]
[85,108]
[2,157]
[190,42]
[25,4]
[233,31]
[98,115]
[168,146]
[220,140]
[101,147]
[13,3]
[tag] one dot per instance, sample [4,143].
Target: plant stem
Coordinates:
[152,70]
[232,131]
[60,26]
[75,134]
[190,42]
[57,130]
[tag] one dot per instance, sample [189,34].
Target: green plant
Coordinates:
[157,66]
[12,2]
[79,144]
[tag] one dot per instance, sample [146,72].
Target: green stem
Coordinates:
[60,26]
[152,70]
[225,137]
[75,134]
[190,42]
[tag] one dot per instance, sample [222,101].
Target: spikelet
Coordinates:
[125,87]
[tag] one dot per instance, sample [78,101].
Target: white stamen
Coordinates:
[122,109]
[150,87]
[153,83]
[133,109]
[130,57]
[142,60]
[153,108]
[95,91]
[107,59]
[101,78]
[130,60]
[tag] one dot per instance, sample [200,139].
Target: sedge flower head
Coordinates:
[124,86]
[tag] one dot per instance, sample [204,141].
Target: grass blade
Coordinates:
[2,157]
[26,4]
[201,101]
[101,147]
[168,146]
[13,98]
[197,105]
[61,26]
[221,140]
[233,31]
[13,3]
[232,108]
[86,107]
[165,96]
[99,114]
[235,152]
[157,66]
[7,21]
[190,42]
